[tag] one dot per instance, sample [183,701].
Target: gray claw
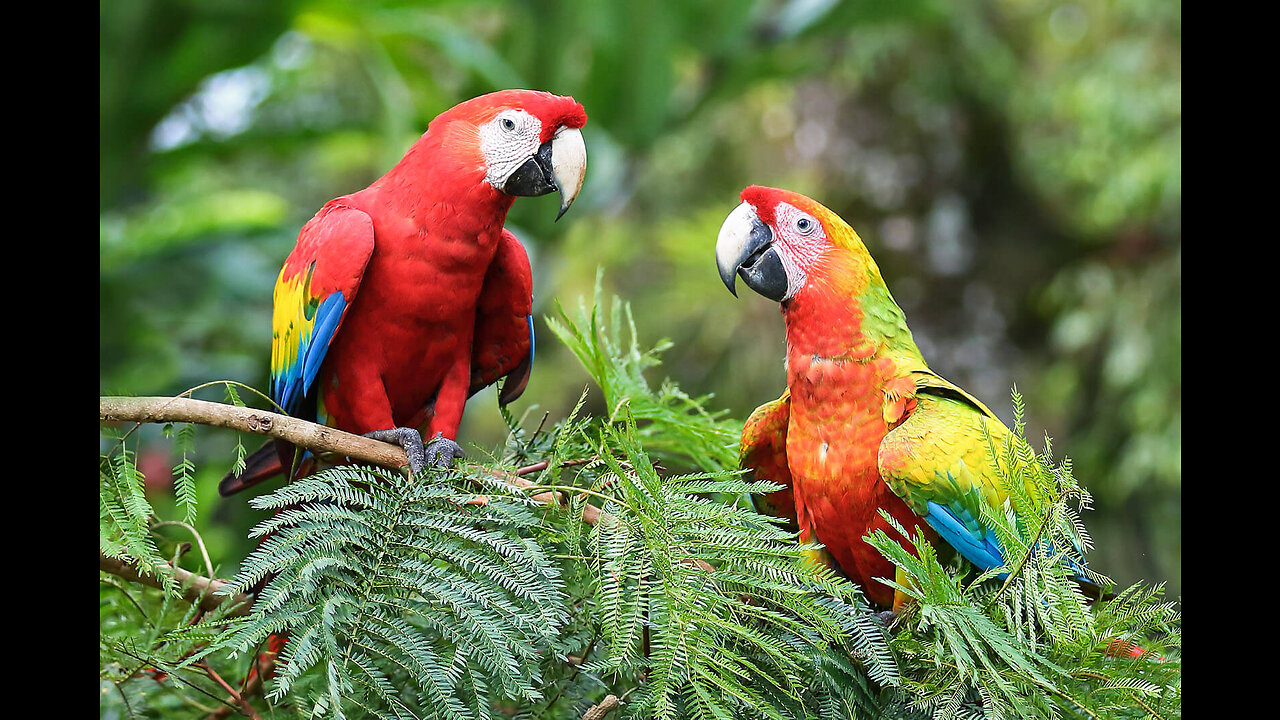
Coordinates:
[886,618]
[410,440]
[441,451]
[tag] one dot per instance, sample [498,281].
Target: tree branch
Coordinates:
[606,706]
[319,439]
[245,707]
[304,434]
[196,589]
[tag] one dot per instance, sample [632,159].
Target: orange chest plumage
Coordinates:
[837,423]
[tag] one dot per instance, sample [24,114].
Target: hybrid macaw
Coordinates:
[402,300]
[864,425]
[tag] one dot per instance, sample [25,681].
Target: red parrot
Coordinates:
[402,300]
[864,425]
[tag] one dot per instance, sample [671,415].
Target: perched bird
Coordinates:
[402,300]
[864,425]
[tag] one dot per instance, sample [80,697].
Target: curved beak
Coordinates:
[745,247]
[568,165]
[560,164]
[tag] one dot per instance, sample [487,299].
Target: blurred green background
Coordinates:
[1015,166]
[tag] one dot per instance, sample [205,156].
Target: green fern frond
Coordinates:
[672,424]
[716,607]
[184,478]
[125,517]
[377,579]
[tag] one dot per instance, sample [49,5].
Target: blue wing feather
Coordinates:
[327,318]
[291,387]
[532,343]
[956,526]
[315,288]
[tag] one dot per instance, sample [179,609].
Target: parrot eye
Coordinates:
[508,124]
[804,225]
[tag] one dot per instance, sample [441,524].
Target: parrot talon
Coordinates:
[442,452]
[886,618]
[410,440]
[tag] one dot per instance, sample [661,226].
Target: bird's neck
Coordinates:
[845,310]
[441,179]
[847,344]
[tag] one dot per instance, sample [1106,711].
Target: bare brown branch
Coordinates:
[246,708]
[318,439]
[606,706]
[304,434]
[197,590]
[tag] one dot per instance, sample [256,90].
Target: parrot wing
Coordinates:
[938,462]
[316,286]
[502,345]
[764,450]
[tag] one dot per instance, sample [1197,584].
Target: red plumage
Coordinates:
[403,355]
[405,298]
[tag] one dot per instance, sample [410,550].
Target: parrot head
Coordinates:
[523,142]
[778,240]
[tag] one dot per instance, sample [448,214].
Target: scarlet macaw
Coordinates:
[864,425]
[402,300]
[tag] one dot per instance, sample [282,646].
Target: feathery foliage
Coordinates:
[145,645]
[460,595]
[669,421]
[412,597]
[124,515]
[710,609]
[184,478]
[1024,640]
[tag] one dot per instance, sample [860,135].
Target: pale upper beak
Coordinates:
[745,247]
[568,164]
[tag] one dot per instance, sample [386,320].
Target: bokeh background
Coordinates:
[1013,165]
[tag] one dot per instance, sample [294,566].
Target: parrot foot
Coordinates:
[886,618]
[441,451]
[407,438]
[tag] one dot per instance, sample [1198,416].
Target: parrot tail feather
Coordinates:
[515,383]
[1093,591]
[267,659]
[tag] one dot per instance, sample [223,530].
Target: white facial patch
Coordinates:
[803,241]
[506,142]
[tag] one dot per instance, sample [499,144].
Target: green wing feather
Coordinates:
[951,459]
[939,460]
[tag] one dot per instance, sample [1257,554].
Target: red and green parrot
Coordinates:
[864,425]
[402,300]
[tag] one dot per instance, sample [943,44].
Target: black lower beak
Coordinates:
[759,265]
[535,177]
